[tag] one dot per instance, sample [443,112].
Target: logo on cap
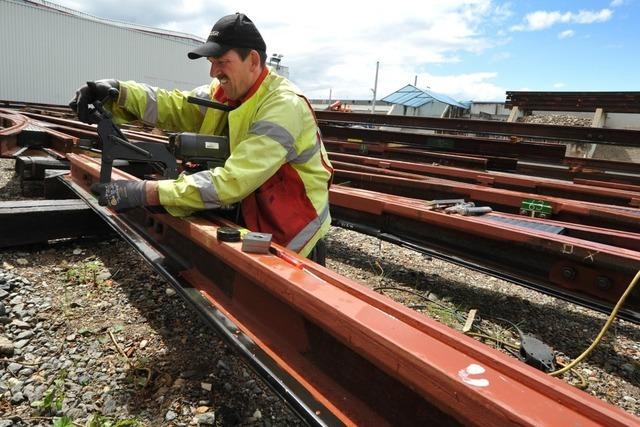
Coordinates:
[214,33]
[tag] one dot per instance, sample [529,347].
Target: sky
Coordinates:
[467,49]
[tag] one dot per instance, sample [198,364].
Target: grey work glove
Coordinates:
[121,195]
[88,94]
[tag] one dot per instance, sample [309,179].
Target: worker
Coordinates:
[278,169]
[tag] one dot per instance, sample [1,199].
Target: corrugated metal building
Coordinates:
[48,51]
[413,101]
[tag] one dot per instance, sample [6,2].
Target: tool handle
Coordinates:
[209,104]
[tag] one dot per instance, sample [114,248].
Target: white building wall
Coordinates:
[47,54]
[431,109]
[492,108]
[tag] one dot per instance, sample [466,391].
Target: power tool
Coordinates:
[196,151]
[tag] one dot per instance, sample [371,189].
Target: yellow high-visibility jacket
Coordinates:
[278,168]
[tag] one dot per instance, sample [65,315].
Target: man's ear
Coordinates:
[254,57]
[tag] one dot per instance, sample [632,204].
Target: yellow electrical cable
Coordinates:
[583,382]
[612,316]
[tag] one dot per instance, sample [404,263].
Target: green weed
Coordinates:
[53,398]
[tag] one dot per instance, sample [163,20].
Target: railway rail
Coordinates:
[592,192]
[348,351]
[601,205]
[341,354]
[607,136]
[589,265]
[613,102]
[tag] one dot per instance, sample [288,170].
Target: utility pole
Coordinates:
[415,81]
[375,89]
[330,89]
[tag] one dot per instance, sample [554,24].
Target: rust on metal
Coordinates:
[367,359]
[625,137]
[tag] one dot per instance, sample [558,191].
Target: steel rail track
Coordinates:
[612,102]
[607,136]
[481,162]
[538,185]
[508,201]
[571,168]
[25,134]
[11,125]
[620,173]
[420,246]
[452,143]
[592,272]
[365,358]
[418,186]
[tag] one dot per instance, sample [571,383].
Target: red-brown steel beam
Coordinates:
[369,360]
[612,102]
[595,183]
[543,186]
[489,127]
[595,234]
[11,124]
[452,143]
[595,271]
[16,139]
[601,165]
[617,238]
[74,126]
[509,201]
[388,151]
[615,172]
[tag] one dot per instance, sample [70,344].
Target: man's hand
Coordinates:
[88,94]
[121,195]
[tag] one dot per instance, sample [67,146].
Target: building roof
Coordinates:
[157,31]
[412,96]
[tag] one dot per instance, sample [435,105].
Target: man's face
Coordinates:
[236,76]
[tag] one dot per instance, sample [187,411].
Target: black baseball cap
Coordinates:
[230,31]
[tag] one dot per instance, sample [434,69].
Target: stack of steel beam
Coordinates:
[342,354]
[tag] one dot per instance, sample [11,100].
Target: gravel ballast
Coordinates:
[88,323]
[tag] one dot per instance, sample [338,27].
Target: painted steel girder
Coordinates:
[552,132]
[363,357]
[452,143]
[19,134]
[11,124]
[587,213]
[388,151]
[588,271]
[538,185]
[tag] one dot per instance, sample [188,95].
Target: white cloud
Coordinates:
[500,56]
[337,46]
[472,86]
[541,19]
[566,34]
[616,3]
[502,12]
[558,85]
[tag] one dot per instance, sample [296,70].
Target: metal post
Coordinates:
[330,89]
[375,89]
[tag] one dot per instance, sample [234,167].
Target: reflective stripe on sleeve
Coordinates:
[203,93]
[278,134]
[151,110]
[301,239]
[307,154]
[207,190]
